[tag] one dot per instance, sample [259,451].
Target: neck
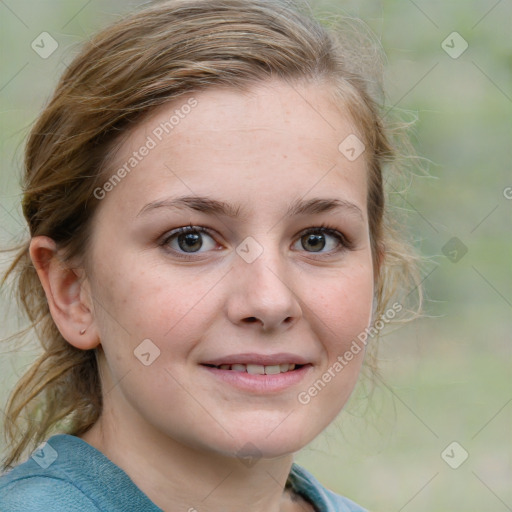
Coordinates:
[177,477]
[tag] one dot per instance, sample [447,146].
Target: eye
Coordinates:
[318,238]
[189,239]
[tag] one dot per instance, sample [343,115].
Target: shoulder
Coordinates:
[68,474]
[324,499]
[45,481]
[37,493]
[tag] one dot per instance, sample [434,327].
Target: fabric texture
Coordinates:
[68,474]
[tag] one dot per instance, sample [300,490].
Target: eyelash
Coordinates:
[344,242]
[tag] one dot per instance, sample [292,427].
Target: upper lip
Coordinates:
[261,359]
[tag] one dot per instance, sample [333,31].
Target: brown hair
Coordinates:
[147,59]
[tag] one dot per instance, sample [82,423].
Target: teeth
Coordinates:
[272,370]
[259,369]
[256,369]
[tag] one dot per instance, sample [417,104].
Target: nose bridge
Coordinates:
[261,258]
[258,263]
[267,275]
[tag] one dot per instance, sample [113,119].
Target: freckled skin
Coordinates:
[262,149]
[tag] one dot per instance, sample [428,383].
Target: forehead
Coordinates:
[275,139]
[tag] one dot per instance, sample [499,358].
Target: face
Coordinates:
[203,305]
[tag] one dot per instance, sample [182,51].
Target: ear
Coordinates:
[67,293]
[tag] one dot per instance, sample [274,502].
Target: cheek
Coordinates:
[138,299]
[342,314]
[346,306]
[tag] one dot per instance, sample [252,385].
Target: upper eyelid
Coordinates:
[184,229]
[208,231]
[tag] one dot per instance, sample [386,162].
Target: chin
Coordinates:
[253,443]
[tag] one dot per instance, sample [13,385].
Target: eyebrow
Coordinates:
[215,207]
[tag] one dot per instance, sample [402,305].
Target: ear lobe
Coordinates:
[69,304]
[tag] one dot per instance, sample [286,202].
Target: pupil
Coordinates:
[190,240]
[317,242]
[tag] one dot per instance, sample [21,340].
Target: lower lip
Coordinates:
[260,383]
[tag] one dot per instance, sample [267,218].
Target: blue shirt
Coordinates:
[68,474]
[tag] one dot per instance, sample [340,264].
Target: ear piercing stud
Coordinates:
[83,331]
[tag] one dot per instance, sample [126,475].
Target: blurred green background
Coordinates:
[446,377]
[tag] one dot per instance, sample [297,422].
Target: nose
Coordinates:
[263,295]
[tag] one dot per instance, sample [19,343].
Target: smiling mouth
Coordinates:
[258,369]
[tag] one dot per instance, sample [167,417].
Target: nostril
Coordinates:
[251,319]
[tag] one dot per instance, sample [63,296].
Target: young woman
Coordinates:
[209,249]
